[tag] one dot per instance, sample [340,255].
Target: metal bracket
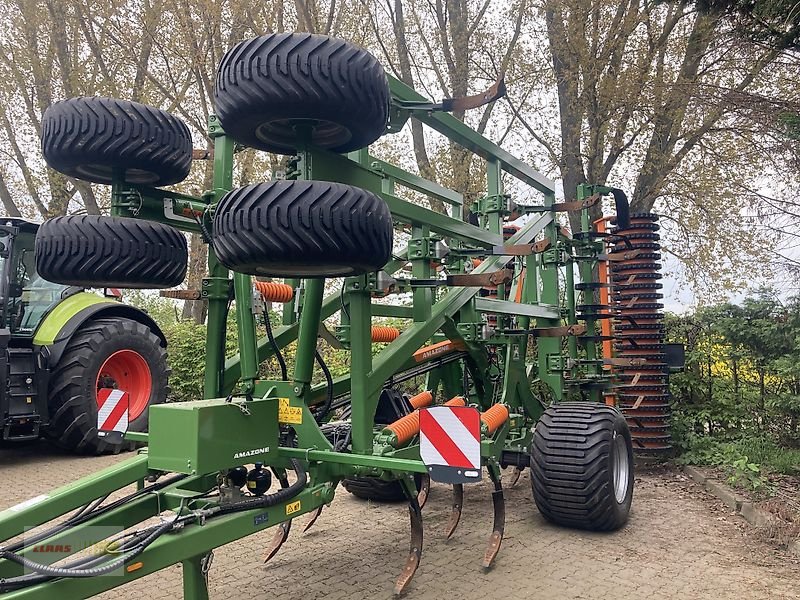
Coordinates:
[522,249]
[571,206]
[468,279]
[495,92]
[182,294]
[620,256]
[563,331]
[554,256]
[219,288]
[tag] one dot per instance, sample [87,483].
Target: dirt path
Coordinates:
[679,544]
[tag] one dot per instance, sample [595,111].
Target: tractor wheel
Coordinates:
[95,251]
[302,229]
[105,353]
[377,490]
[268,85]
[99,139]
[582,466]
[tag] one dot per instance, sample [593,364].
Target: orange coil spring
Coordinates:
[495,417]
[405,428]
[384,334]
[456,401]
[274,292]
[421,400]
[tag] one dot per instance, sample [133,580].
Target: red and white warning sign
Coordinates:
[112,412]
[450,443]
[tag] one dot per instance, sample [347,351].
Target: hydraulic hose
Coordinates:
[275,347]
[14,583]
[44,572]
[320,415]
[84,515]
[273,499]
[94,571]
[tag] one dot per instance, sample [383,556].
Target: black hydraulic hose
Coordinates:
[143,540]
[275,348]
[82,516]
[94,571]
[320,415]
[273,499]
[14,583]
[623,208]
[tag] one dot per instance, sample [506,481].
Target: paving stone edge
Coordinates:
[743,507]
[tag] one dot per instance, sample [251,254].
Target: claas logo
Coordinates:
[53,548]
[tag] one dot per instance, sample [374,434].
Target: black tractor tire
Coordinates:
[268,85]
[302,229]
[98,139]
[582,466]
[72,394]
[377,490]
[96,251]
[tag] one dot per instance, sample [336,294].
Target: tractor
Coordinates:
[530,346]
[63,350]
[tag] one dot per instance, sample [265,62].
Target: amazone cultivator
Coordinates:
[514,376]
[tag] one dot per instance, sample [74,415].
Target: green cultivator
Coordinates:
[513,375]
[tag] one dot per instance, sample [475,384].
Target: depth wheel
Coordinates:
[582,466]
[105,353]
[99,139]
[378,490]
[268,85]
[302,229]
[95,251]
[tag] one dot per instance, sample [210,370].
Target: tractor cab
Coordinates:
[25,297]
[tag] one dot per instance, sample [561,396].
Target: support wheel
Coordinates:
[269,85]
[582,466]
[102,139]
[95,251]
[378,490]
[105,353]
[302,229]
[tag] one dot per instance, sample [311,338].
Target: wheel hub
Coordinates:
[127,370]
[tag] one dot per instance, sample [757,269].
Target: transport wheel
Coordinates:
[94,138]
[268,85]
[95,251]
[302,229]
[582,466]
[377,490]
[105,353]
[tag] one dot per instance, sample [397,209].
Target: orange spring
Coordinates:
[384,334]
[422,399]
[456,401]
[274,292]
[494,417]
[405,428]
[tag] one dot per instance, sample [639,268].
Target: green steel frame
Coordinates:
[516,351]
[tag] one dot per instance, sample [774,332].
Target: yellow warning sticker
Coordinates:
[288,414]
[293,507]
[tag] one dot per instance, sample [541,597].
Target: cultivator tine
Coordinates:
[424,490]
[499,504]
[458,504]
[415,551]
[515,476]
[282,534]
[314,516]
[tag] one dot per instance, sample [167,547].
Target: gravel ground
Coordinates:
[679,543]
